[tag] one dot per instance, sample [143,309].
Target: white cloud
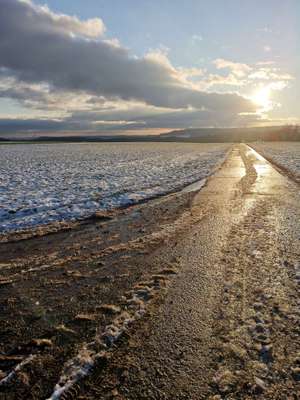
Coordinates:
[98,67]
[197,38]
[265,30]
[279,85]
[238,69]
[267,48]
[46,20]
[269,74]
[263,63]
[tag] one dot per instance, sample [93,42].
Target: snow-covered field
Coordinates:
[285,154]
[41,183]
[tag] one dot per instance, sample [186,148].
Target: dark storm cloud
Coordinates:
[37,45]
[10,125]
[92,122]
[170,120]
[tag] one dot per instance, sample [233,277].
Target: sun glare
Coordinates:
[262,97]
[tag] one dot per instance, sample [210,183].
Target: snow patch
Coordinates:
[46,183]
[286,154]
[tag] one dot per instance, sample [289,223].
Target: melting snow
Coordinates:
[286,154]
[43,183]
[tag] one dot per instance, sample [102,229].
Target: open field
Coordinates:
[41,184]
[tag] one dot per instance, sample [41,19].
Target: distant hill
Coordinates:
[274,133]
[205,135]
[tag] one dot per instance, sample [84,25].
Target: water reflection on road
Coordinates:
[269,181]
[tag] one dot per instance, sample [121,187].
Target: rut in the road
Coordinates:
[258,330]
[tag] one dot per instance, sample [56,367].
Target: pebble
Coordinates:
[260,385]
[266,353]
[169,271]
[225,380]
[260,328]
[297,360]
[84,317]
[257,346]
[63,329]
[258,306]
[258,318]
[263,338]
[110,308]
[115,392]
[145,294]
[296,373]
[236,350]
[42,342]
[261,369]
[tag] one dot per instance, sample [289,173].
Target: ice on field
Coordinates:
[42,183]
[286,154]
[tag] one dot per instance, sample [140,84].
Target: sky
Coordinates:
[147,66]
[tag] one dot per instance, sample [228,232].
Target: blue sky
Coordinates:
[231,28]
[235,48]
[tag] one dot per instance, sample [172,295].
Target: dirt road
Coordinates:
[192,296]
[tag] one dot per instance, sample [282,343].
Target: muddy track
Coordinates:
[236,334]
[258,351]
[258,354]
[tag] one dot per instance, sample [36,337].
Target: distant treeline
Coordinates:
[205,135]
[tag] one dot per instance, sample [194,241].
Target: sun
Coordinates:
[262,97]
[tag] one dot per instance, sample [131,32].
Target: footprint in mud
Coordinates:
[134,306]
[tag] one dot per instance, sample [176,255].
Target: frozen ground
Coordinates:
[286,154]
[54,182]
